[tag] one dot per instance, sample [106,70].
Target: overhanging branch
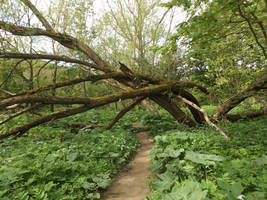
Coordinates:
[46,57]
[64,39]
[92,78]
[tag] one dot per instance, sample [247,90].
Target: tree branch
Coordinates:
[64,39]
[123,112]
[92,78]
[236,117]
[22,129]
[206,117]
[47,57]
[252,30]
[173,109]
[6,92]
[21,112]
[92,102]
[241,96]
[38,14]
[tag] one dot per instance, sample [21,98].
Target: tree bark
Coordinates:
[173,109]
[92,102]
[198,116]
[22,129]
[248,115]
[123,112]
[241,96]
[216,128]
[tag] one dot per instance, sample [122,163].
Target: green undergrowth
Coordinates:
[198,163]
[53,162]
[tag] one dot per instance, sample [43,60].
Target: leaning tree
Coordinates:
[133,86]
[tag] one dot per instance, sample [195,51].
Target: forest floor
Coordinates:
[132,183]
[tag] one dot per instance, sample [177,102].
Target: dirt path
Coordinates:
[132,184]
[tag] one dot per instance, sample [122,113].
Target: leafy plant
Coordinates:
[73,167]
[221,169]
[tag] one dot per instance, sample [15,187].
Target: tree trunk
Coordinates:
[173,109]
[236,117]
[232,102]
[53,90]
[198,116]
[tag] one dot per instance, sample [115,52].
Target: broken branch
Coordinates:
[206,117]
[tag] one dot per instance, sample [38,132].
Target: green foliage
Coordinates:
[188,190]
[216,167]
[158,124]
[53,163]
[224,42]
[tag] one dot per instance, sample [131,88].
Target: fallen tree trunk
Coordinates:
[232,102]
[247,115]
[173,109]
[82,125]
[90,103]
[198,116]
[136,85]
[95,101]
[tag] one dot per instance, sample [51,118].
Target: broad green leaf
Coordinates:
[189,190]
[170,152]
[180,135]
[95,195]
[89,186]
[256,195]
[73,156]
[2,193]
[204,159]
[237,189]
[262,160]
[102,182]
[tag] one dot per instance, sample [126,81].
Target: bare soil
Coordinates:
[133,184]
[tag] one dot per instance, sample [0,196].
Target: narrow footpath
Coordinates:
[133,184]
